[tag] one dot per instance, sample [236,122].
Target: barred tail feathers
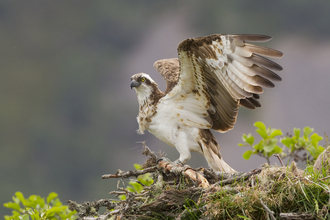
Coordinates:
[211,151]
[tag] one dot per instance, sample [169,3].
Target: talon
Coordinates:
[160,159]
[178,162]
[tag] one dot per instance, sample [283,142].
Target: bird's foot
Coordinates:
[163,159]
[178,162]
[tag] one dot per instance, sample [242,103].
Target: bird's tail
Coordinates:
[211,151]
[218,164]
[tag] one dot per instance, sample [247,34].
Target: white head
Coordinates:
[144,86]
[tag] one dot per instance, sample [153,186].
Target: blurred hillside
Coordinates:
[67,113]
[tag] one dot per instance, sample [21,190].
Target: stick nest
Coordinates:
[180,192]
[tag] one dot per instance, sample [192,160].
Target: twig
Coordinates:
[324,178]
[270,212]
[135,173]
[117,192]
[237,178]
[85,208]
[296,216]
[147,151]
[101,217]
[279,158]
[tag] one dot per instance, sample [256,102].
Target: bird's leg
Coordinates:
[183,148]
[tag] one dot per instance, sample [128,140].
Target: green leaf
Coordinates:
[54,210]
[307,131]
[316,137]
[20,196]
[24,217]
[288,141]
[122,197]
[247,154]
[296,132]
[259,146]
[35,201]
[130,188]
[137,166]
[320,149]
[12,205]
[241,145]
[277,150]
[56,202]
[271,146]
[250,139]
[260,125]
[51,196]
[136,186]
[276,132]
[146,179]
[262,133]
[34,214]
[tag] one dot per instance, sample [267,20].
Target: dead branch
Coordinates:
[279,158]
[270,212]
[323,160]
[90,208]
[135,173]
[301,216]
[239,177]
[173,198]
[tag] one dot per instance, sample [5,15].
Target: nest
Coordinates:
[180,192]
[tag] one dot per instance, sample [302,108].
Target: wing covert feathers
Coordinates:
[170,71]
[224,71]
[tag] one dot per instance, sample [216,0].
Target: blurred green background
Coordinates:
[67,114]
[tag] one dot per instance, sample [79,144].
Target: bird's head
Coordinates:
[144,86]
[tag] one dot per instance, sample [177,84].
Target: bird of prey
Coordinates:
[211,78]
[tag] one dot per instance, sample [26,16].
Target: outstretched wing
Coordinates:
[225,72]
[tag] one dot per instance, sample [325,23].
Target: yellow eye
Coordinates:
[143,79]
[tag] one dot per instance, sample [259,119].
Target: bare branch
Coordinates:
[135,173]
[302,216]
[279,158]
[237,178]
[270,212]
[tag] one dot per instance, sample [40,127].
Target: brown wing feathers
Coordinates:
[234,72]
[170,71]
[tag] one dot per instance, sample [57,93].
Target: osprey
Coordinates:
[211,79]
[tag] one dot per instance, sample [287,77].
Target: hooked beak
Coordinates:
[134,84]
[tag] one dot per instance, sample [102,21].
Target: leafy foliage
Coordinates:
[307,141]
[268,145]
[137,186]
[36,208]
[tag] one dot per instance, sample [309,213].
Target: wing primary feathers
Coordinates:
[265,62]
[246,103]
[264,51]
[266,73]
[263,82]
[253,37]
[256,96]
[254,101]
